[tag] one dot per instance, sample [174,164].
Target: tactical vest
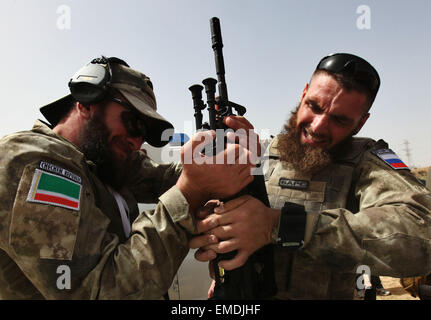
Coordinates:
[297,276]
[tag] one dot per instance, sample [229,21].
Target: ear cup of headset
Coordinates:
[89,84]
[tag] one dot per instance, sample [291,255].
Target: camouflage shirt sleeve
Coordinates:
[148,180]
[390,233]
[144,266]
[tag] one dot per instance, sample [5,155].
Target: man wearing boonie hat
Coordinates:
[70,226]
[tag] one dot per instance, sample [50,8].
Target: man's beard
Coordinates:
[303,157]
[95,147]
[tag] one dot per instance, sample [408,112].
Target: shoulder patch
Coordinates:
[62,188]
[390,158]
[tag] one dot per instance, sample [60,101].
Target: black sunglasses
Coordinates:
[132,121]
[349,64]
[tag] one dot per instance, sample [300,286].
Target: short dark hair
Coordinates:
[352,73]
[350,84]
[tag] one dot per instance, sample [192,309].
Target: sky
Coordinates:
[271,49]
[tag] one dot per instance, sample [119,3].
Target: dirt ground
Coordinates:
[398,293]
[421,173]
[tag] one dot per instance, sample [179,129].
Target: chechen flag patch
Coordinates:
[390,158]
[58,189]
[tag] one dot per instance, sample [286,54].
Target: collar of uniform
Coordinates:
[272,148]
[350,149]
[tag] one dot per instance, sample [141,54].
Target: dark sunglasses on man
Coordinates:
[356,67]
[132,121]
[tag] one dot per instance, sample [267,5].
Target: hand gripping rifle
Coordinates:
[255,279]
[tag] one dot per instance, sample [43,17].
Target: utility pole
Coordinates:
[408,153]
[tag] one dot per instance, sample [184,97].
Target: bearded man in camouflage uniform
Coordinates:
[69,192]
[339,204]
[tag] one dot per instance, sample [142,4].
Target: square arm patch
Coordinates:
[55,189]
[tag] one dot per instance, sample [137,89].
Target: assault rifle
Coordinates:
[255,279]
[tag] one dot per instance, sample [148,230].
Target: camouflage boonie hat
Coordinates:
[137,88]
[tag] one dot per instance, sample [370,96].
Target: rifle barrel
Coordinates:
[217,45]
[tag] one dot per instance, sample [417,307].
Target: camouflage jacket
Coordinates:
[360,212]
[58,220]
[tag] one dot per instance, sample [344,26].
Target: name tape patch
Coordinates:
[390,158]
[293,184]
[57,190]
[45,166]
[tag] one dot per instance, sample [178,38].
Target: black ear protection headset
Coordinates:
[91,83]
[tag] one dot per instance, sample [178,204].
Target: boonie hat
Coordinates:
[96,78]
